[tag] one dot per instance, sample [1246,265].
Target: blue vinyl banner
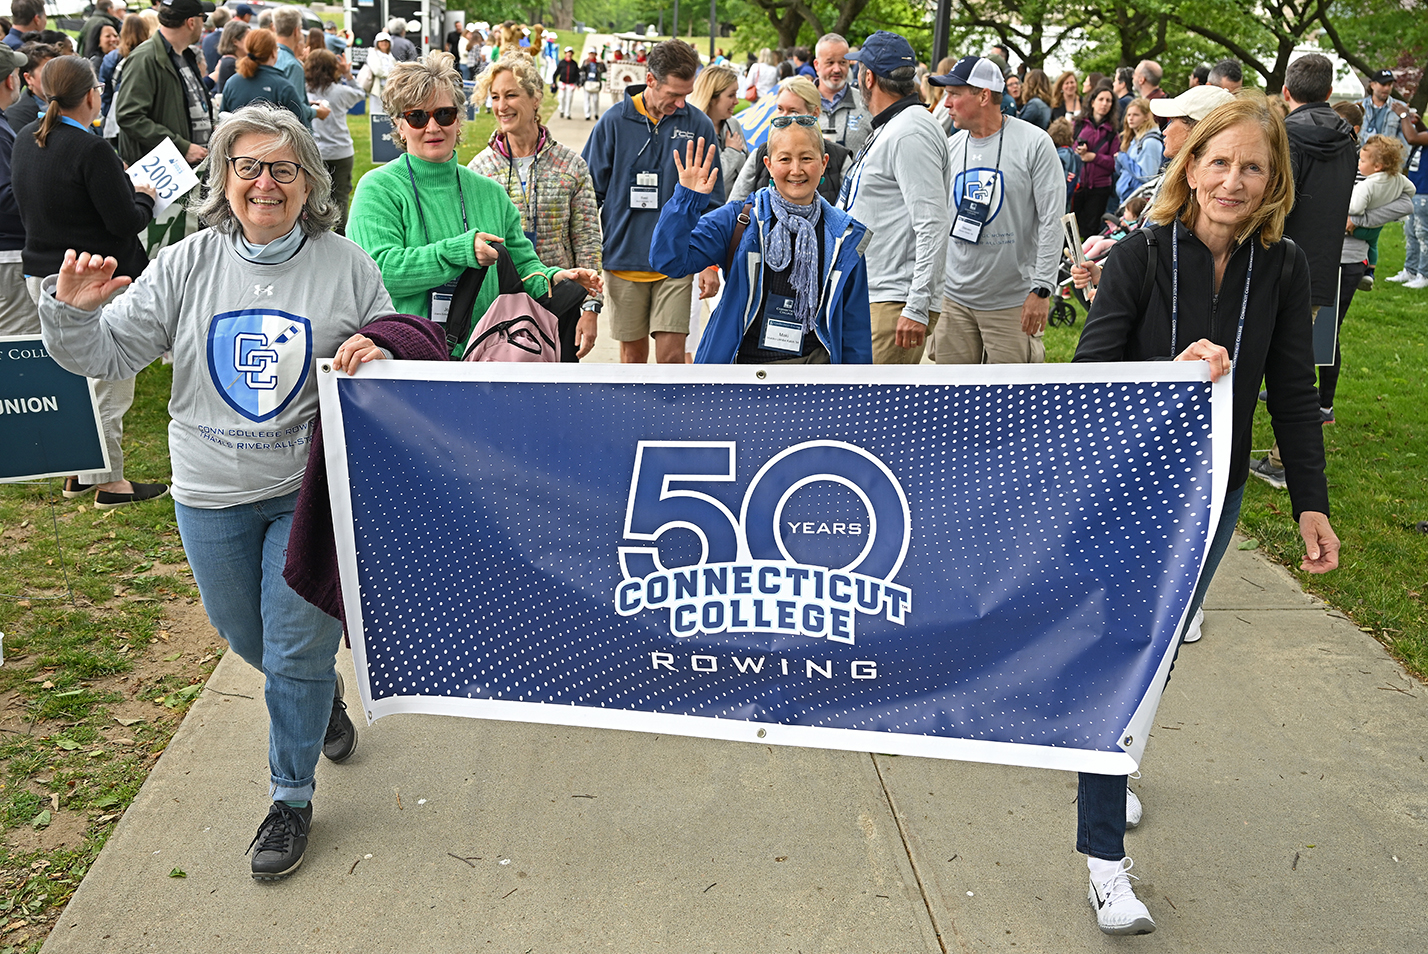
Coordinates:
[976,563]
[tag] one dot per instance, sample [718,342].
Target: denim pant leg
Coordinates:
[1101,799]
[1415,229]
[237,555]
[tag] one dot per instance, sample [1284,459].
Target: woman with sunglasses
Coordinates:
[426,219]
[72,190]
[548,182]
[244,306]
[797,288]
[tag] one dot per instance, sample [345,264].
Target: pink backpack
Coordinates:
[515,327]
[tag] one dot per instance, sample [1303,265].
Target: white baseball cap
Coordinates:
[1195,103]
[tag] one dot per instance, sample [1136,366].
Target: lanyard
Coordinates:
[1175,296]
[654,131]
[527,196]
[412,176]
[853,176]
[1001,138]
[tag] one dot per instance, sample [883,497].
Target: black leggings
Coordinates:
[1089,205]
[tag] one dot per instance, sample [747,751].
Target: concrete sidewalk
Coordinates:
[1286,800]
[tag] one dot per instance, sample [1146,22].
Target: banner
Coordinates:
[49,425]
[983,563]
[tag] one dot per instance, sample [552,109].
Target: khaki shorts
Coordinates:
[640,309]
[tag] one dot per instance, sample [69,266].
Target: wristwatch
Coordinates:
[1041,291]
[594,306]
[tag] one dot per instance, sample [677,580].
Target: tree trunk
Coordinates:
[563,14]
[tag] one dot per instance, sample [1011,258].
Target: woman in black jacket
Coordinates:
[1242,301]
[73,193]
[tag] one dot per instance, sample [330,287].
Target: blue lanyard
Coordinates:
[1175,296]
[412,176]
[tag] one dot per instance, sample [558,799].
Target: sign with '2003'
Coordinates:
[979,563]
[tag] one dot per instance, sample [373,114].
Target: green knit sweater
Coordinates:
[385,221]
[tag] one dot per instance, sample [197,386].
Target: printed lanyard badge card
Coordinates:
[644,194]
[783,331]
[972,214]
[441,302]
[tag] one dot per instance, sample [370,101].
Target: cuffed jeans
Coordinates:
[237,555]
[1415,237]
[1101,799]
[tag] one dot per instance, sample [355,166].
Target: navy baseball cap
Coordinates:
[972,71]
[884,52]
[1382,76]
[242,10]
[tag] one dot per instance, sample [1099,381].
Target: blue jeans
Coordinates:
[237,555]
[1101,799]
[1415,237]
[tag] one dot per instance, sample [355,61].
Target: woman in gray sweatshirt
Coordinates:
[245,306]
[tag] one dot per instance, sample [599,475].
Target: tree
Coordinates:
[1032,30]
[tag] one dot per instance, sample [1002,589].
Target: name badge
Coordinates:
[441,302]
[971,216]
[644,198]
[782,331]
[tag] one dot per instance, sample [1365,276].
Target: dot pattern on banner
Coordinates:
[1057,531]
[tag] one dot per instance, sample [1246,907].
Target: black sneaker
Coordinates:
[280,842]
[341,739]
[73,488]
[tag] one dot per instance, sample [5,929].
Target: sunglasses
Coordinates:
[246,167]
[781,122]
[418,118]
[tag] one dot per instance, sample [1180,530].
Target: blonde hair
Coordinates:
[1386,152]
[1147,122]
[766,57]
[1177,199]
[710,84]
[520,66]
[803,88]
[413,83]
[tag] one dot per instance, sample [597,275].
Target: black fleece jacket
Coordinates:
[1322,150]
[1277,347]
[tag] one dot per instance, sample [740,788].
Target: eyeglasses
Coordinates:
[283,170]
[779,122]
[418,118]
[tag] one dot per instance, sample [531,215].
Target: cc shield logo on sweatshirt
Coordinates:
[258,359]
[980,185]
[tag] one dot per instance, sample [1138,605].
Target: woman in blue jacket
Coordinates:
[798,289]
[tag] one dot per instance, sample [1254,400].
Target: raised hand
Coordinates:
[697,170]
[86,281]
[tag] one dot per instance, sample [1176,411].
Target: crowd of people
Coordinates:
[893,213]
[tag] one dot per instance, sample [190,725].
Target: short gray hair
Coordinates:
[411,84]
[287,21]
[320,213]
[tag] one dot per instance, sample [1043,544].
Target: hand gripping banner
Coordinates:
[981,563]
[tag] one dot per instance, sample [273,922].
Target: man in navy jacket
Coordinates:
[18,314]
[631,158]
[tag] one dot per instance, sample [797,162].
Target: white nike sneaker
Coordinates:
[1192,632]
[1134,809]
[1118,910]
[1417,281]
[1403,276]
